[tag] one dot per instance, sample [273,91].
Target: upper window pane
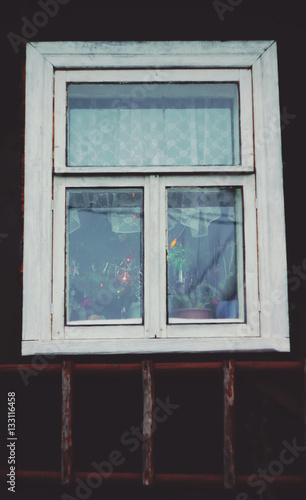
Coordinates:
[153,124]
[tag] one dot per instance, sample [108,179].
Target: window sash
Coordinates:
[145,78]
[86,329]
[250,326]
[155,243]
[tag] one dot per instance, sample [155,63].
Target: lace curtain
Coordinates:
[159,130]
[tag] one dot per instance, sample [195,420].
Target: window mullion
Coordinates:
[152,257]
[163,210]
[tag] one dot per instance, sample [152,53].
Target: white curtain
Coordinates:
[190,135]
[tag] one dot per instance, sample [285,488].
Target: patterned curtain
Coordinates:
[155,131]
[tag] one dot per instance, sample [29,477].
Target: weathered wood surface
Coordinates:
[147,346]
[274,320]
[37,260]
[148,405]
[67,444]
[229,424]
[152,54]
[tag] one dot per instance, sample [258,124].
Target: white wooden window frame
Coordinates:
[253,66]
[144,77]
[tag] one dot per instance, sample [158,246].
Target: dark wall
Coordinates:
[98,403]
[88,20]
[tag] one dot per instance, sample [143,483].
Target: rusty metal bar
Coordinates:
[115,477]
[190,479]
[160,367]
[183,367]
[229,424]
[67,445]
[135,478]
[276,480]
[268,365]
[217,480]
[106,368]
[34,476]
[39,367]
[147,432]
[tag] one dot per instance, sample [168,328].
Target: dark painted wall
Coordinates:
[89,20]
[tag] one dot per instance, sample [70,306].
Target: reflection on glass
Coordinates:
[153,124]
[205,254]
[104,279]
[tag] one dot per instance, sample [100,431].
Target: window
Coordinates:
[154,218]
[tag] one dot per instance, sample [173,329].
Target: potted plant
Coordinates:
[198,303]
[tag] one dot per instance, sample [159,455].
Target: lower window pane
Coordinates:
[205,254]
[104,278]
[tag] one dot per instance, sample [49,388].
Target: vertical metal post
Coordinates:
[229,424]
[67,447]
[148,405]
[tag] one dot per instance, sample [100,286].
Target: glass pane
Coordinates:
[153,124]
[205,254]
[104,255]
